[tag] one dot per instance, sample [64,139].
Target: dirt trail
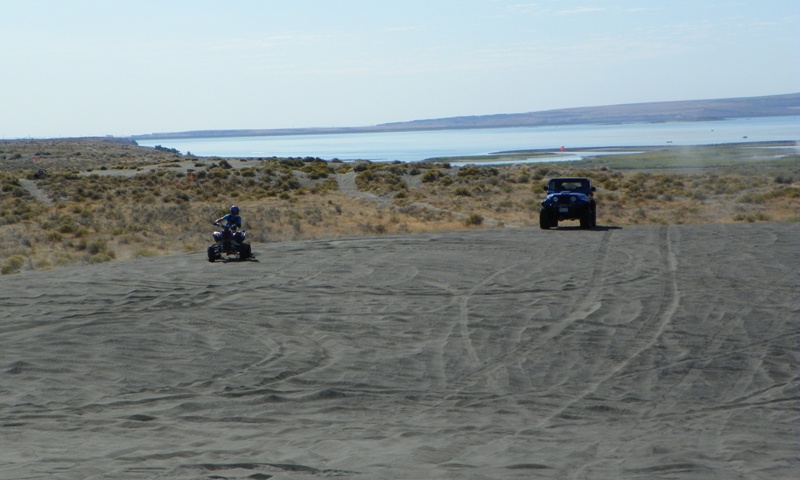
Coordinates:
[35,191]
[347,185]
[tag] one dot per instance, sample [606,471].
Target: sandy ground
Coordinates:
[642,352]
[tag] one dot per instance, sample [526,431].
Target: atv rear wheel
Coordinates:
[244,251]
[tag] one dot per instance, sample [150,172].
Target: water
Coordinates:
[416,146]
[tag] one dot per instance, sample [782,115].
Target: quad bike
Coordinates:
[229,242]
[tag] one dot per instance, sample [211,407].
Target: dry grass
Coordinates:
[113,200]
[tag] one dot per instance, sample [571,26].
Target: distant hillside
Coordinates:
[655,112]
[689,110]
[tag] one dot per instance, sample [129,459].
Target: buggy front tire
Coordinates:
[544,219]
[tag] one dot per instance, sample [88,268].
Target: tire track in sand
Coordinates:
[667,306]
[463,316]
[590,302]
[458,330]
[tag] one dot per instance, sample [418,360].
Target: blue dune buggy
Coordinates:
[568,199]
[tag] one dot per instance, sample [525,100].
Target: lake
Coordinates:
[421,145]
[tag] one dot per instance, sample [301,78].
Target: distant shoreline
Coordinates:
[744,144]
[420,145]
[640,113]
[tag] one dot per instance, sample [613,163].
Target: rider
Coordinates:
[233,221]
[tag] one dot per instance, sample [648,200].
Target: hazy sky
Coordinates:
[112,67]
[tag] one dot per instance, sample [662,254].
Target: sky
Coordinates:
[109,67]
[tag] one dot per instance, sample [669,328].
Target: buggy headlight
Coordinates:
[573,199]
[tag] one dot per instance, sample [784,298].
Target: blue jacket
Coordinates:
[232,220]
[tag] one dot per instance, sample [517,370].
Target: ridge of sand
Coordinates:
[641,352]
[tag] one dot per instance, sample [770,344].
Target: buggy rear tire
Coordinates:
[586,218]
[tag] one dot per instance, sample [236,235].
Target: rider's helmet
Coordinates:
[234,210]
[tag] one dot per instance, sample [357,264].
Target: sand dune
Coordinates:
[643,352]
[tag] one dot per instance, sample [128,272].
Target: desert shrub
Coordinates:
[538,173]
[751,217]
[218,173]
[287,182]
[469,172]
[361,166]
[474,219]
[462,192]
[728,185]
[9,184]
[506,204]
[397,168]
[431,175]
[313,215]
[611,184]
[369,228]
[291,163]
[96,246]
[781,192]
[15,263]
[328,185]
[67,226]
[380,181]
[532,204]
[102,257]
[166,149]
[316,169]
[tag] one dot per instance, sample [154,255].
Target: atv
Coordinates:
[568,199]
[229,242]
